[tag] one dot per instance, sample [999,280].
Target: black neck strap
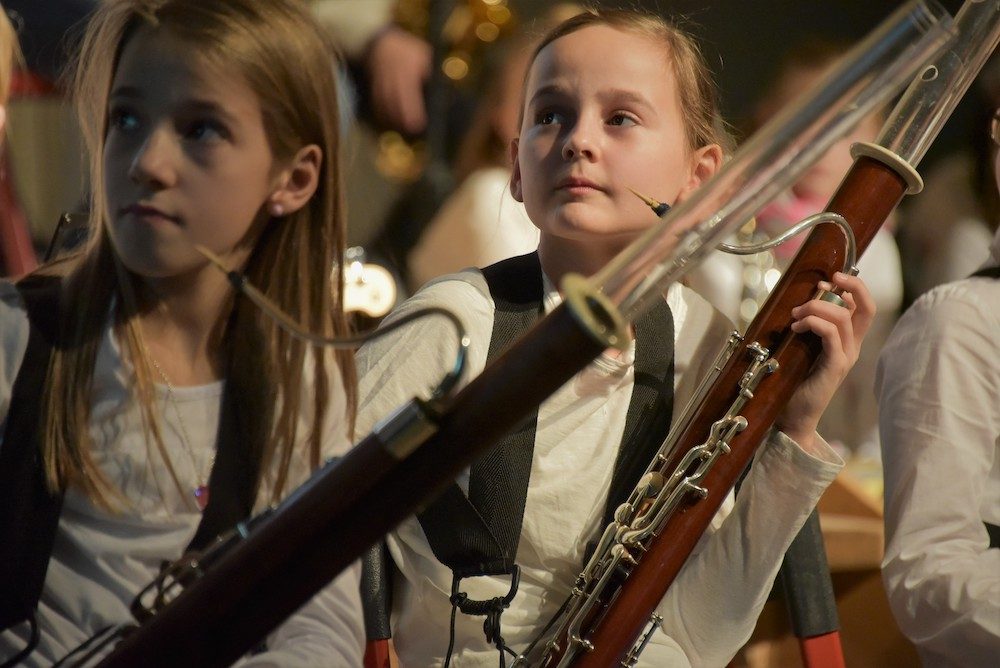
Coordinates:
[479,534]
[233,482]
[987,272]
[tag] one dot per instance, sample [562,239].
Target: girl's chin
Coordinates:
[160,267]
[590,230]
[569,223]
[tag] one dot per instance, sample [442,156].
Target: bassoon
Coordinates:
[611,614]
[211,608]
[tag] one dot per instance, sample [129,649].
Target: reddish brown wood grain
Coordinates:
[867,196]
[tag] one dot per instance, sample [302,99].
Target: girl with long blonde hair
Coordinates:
[164,403]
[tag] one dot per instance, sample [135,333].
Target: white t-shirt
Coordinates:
[101,560]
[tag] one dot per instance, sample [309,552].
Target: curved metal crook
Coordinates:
[806,223]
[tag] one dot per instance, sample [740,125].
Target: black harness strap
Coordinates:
[479,534]
[498,481]
[987,272]
[489,520]
[651,407]
[29,511]
[232,484]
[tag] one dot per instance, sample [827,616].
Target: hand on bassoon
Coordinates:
[841,331]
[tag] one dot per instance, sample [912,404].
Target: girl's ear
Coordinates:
[515,175]
[705,162]
[297,182]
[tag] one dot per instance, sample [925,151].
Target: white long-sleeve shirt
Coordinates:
[101,560]
[938,386]
[710,610]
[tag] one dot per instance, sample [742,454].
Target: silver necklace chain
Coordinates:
[201,488]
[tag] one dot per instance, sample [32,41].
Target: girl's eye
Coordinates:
[205,130]
[123,120]
[548,118]
[621,119]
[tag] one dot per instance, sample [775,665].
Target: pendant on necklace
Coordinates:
[201,496]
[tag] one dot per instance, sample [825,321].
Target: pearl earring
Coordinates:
[277,210]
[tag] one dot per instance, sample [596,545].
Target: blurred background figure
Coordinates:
[480,223]
[393,64]
[946,230]
[43,175]
[17,255]
[9,55]
[415,64]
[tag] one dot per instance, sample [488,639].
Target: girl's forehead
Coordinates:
[154,49]
[163,69]
[601,50]
[600,57]
[155,56]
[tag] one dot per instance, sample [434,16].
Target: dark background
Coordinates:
[744,41]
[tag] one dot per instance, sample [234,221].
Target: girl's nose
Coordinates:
[154,162]
[579,143]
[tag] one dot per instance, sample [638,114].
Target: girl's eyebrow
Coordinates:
[196,105]
[548,90]
[614,95]
[618,95]
[125,91]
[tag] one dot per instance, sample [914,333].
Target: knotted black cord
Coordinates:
[492,609]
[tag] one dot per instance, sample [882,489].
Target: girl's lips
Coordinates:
[576,182]
[578,186]
[148,213]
